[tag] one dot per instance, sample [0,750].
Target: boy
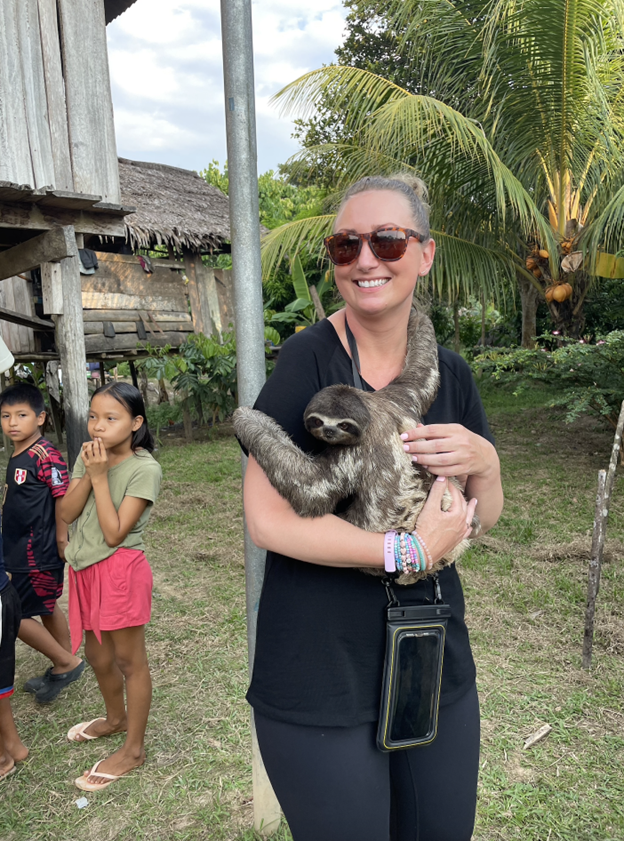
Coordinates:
[12,749]
[35,538]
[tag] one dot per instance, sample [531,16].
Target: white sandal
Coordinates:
[83,782]
[79,730]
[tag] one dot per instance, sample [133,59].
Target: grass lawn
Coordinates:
[525,587]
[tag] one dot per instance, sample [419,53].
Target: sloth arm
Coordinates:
[331,541]
[313,486]
[326,540]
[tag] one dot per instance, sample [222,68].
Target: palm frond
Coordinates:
[353,92]
[464,267]
[292,238]
[606,232]
[407,126]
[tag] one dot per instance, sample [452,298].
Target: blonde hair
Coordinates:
[408,185]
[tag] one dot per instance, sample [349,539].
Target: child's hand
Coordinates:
[95,458]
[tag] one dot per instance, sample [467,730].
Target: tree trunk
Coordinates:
[530,298]
[482,320]
[143,382]
[456,344]
[188,421]
[163,394]
[569,316]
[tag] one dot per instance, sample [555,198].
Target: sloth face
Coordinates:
[337,415]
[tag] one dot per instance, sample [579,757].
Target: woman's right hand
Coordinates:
[444,530]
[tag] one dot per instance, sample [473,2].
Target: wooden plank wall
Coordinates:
[56,112]
[225,297]
[15,160]
[123,296]
[16,295]
[55,89]
[89,101]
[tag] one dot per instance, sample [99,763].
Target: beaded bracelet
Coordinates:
[424,546]
[408,554]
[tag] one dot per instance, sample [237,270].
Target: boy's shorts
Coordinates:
[38,590]
[10,616]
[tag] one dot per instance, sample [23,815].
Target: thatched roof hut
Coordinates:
[113,8]
[173,207]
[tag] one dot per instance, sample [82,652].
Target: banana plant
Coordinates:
[302,312]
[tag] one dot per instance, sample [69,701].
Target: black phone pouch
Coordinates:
[410,695]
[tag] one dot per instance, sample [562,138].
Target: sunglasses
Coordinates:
[388,244]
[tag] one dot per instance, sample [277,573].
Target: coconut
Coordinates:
[543,254]
[559,294]
[537,271]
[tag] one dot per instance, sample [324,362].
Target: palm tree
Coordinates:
[520,138]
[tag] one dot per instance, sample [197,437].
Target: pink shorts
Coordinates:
[113,594]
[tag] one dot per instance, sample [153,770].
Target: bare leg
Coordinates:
[101,658]
[39,638]
[56,625]
[131,658]
[12,749]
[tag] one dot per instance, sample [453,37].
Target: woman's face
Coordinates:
[394,281]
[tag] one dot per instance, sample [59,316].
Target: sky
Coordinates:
[167,77]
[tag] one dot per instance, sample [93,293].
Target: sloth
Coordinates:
[364,461]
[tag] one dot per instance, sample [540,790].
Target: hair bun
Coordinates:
[414,183]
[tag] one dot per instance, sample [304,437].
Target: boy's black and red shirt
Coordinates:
[35,479]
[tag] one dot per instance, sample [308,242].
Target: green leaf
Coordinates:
[299,305]
[271,335]
[299,281]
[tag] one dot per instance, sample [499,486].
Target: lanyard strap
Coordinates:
[355,357]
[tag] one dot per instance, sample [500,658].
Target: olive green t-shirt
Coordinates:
[138,476]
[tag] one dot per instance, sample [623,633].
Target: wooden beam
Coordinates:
[51,246]
[52,288]
[157,262]
[32,217]
[113,300]
[98,343]
[70,341]
[25,320]
[133,315]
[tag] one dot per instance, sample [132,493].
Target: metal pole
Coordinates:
[240,114]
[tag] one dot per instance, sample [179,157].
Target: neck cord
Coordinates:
[355,357]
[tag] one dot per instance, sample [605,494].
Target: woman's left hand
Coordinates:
[95,458]
[449,449]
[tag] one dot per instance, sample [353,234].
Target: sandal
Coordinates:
[11,770]
[79,730]
[83,782]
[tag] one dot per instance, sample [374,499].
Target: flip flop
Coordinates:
[79,730]
[8,773]
[83,782]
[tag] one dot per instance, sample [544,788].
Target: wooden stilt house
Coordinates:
[60,192]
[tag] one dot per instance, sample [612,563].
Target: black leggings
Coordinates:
[335,785]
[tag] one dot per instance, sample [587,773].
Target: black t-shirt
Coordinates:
[35,479]
[321,630]
[4,578]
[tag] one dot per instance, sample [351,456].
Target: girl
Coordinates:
[114,484]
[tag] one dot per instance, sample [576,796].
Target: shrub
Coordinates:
[585,377]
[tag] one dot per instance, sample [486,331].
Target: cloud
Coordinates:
[167,75]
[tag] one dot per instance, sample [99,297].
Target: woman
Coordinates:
[321,632]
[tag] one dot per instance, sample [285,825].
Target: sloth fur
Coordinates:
[364,460]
